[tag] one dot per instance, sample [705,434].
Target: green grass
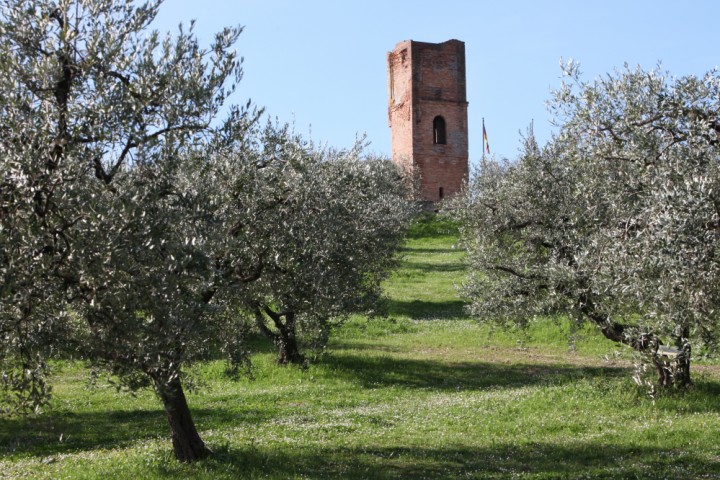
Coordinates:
[423,393]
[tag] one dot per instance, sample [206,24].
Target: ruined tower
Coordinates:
[427,112]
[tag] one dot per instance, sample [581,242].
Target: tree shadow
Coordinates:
[63,432]
[362,345]
[426,267]
[40,436]
[59,432]
[583,458]
[429,250]
[424,310]
[700,398]
[386,371]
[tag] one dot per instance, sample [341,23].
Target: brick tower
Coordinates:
[427,112]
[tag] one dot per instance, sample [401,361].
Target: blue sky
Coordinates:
[321,63]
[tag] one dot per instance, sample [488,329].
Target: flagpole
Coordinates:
[483,139]
[486,144]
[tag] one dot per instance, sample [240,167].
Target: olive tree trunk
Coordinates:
[187,444]
[287,343]
[672,371]
[285,338]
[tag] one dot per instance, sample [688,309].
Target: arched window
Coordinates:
[439,137]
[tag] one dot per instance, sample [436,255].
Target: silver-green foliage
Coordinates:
[616,220]
[316,229]
[95,110]
[132,231]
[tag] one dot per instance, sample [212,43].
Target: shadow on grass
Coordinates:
[586,459]
[429,250]
[424,310]
[425,267]
[430,374]
[62,432]
[116,429]
[368,344]
[700,398]
[65,432]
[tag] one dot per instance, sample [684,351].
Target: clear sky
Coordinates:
[321,63]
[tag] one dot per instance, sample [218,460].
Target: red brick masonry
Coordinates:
[427,80]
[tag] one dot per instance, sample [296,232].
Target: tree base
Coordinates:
[187,444]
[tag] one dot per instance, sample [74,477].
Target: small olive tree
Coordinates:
[321,227]
[615,221]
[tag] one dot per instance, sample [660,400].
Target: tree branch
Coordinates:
[514,272]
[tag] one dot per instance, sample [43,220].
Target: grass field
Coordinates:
[423,393]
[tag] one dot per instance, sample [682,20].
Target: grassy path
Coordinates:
[424,393]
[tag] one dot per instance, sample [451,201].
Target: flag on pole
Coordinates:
[485,140]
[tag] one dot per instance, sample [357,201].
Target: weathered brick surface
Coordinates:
[426,80]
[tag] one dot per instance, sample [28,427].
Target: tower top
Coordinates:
[452,40]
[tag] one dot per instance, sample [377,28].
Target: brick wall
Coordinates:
[426,80]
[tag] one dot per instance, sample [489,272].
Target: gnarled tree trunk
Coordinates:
[672,372]
[681,369]
[675,371]
[285,339]
[287,343]
[187,444]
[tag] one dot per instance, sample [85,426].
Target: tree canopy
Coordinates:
[615,220]
[328,240]
[135,230]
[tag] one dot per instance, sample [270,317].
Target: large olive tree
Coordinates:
[133,233]
[615,221]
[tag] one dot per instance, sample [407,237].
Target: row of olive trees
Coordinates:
[616,221]
[135,234]
[318,230]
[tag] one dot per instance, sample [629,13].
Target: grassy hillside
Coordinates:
[423,393]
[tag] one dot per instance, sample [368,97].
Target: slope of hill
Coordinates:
[424,392]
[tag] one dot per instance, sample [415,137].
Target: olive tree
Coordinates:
[322,228]
[133,231]
[615,221]
[102,244]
